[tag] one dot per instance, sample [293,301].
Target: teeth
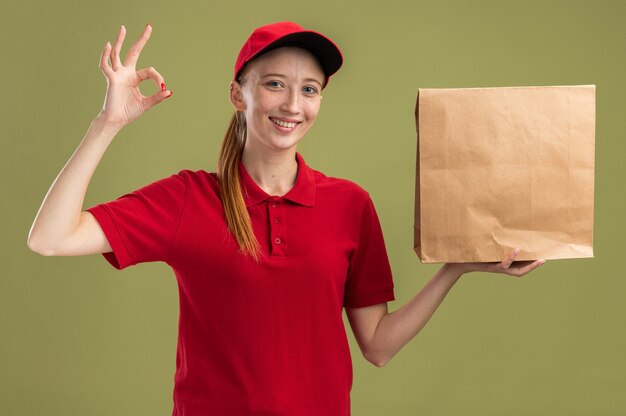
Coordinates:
[283,123]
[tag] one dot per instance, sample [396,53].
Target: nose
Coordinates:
[291,103]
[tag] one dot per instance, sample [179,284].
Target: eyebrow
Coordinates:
[284,76]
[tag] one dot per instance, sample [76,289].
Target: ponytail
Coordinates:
[237,216]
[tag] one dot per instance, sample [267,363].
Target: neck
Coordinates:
[274,172]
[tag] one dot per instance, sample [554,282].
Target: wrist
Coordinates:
[100,129]
[102,124]
[455,270]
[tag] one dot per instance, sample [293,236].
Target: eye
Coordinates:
[310,90]
[274,84]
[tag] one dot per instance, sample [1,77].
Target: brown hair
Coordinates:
[237,216]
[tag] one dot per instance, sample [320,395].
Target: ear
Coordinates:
[236,96]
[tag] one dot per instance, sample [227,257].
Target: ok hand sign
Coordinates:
[124,103]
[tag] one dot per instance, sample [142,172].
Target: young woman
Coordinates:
[267,251]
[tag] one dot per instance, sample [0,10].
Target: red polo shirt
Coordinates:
[267,338]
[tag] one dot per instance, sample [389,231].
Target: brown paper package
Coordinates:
[504,167]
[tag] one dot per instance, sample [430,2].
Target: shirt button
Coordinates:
[277,240]
[273,204]
[276,220]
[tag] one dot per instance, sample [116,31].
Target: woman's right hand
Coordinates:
[124,103]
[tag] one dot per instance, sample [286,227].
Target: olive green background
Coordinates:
[81,338]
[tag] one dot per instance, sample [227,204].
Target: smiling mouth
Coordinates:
[285,124]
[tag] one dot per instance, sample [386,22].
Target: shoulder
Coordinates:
[186,183]
[192,174]
[198,178]
[340,188]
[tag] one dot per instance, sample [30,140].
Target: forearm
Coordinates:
[60,211]
[397,328]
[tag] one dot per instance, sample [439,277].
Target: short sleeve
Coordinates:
[141,226]
[369,275]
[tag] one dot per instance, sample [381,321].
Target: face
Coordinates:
[280,95]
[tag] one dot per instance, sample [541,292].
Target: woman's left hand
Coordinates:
[507,266]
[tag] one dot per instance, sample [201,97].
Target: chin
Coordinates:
[284,142]
[281,146]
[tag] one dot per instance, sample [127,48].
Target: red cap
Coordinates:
[276,35]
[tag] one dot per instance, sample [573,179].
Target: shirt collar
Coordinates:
[303,191]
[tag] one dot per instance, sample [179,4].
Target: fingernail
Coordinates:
[542,261]
[516,251]
[169,95]
[163,87]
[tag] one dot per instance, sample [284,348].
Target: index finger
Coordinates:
[133,53]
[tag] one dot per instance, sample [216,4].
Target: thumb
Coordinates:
[157,98]
[506,263]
